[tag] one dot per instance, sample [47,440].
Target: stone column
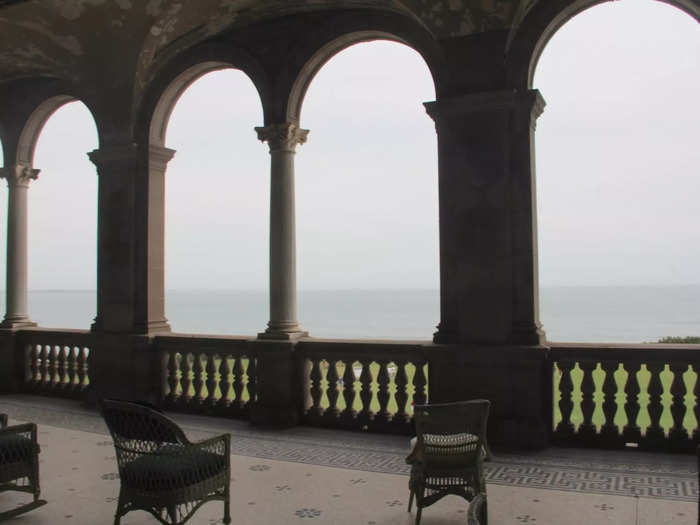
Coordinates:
[18,178]
[488,234]
[130,239]
[150,265]
[117,166]
[282,139]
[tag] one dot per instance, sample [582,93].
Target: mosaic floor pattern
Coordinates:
[305,474]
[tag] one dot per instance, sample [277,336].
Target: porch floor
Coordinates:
[328,476]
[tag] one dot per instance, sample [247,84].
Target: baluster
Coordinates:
[401,396]
[173,381]
[226,382]
[678,435]
[238,381]
[365,391]
[609,433]
[252,385]
[419,382]
[587,430]
[59,380]
[655,434]
[34,364]
[186,363]
[315,387]
[333,389]
[383,394]
[45,365]
[82,368]
[198,381]
[212,370]
[349,391]
[72,368]
[54,353]
[696,401]
[631,432]
[565,428]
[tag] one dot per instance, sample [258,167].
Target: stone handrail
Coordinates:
[618,395]
[386,383]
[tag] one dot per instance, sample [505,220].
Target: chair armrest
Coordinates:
[220,445]
[24,428]
[3,420]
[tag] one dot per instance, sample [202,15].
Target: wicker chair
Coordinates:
[19,464]
[448,456]
[161,471]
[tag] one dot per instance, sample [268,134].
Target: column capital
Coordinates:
[116,153]
[485,102]
[282,137]
[159,156]
[19,175]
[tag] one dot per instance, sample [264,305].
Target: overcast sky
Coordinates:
[617,161]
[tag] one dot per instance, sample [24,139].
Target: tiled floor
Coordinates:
[304,474]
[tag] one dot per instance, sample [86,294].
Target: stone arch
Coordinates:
[167,86]
[327,51]
[544,20]
[26,145]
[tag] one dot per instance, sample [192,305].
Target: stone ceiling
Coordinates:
[64,36]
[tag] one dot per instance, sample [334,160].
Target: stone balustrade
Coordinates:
[212,375]
[603,396]
[55,362]
[617,396]
[356,385]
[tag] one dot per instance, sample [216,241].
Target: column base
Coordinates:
[153,327]
[531,335]
[445,335]
[279,335]
[18,323]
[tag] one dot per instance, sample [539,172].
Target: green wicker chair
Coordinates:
[448,455]
[161,471]
[19,464]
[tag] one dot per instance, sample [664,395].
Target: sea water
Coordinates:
[631,314]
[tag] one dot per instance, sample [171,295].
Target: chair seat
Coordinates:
[15,448]
[172,467]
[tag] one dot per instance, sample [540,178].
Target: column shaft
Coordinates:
[18,178]
[488,235]
[282,139]
[130,237]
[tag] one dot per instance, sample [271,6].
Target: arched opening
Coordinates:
[367,203]
[617,175]
[62,223]
[217,203]
[3,231]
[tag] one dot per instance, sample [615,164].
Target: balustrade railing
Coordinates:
[356,385]
[617,396]
[56,363]
[211,375]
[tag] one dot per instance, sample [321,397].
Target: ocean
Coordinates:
[631,314]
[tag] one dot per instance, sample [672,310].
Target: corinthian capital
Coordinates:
[282,137]
[19,175]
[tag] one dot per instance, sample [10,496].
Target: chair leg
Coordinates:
[227,512]
[410,501]
[420,510]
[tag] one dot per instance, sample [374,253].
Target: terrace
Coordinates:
[348,477]
[581,432]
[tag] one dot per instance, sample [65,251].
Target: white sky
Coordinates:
[617,155]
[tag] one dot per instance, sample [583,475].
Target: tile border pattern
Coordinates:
[624,473]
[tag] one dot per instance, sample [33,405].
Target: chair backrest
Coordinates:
[137,428]
[451,435]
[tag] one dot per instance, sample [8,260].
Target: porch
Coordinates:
[336,476]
